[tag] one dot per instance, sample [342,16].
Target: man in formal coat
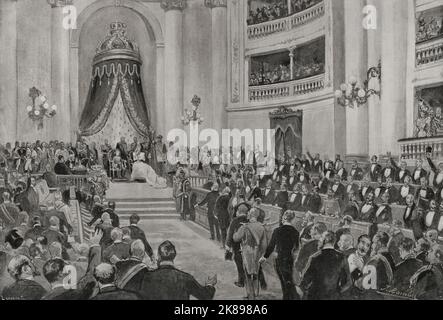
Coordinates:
[105,275]
[61,168]
[118,250]
[55,273]
[236,223]
[284,241]
[8,212]
[281,199]
[413,217]
[138,234]
[268,194]
[424,194]
[374,169]
[222,214]
[401,171]
[356,172]
[310,247]
[25,287]
[315,201]
[210,200]
[419,172]
[327,274]
[428,280]
[114,217]
[169,283]
[316,163]
[407,267]
[405,190]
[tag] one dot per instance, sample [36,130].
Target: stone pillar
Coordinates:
[374,55]
[291,61]
[8,67]
[61,124]
[289,4]
[219,62]
[393,84]
[173,63]
[357,117]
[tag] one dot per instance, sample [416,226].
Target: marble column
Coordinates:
[291,61]
[219,62]
[8,67]
[61,124]
[357,117]
[374,56]
[393,84]
[173,64]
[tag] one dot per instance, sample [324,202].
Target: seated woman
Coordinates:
[144,172]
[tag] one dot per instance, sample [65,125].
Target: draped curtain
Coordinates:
[288,132]
[113,79]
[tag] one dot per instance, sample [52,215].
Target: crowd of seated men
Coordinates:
[327,187]
[278,10]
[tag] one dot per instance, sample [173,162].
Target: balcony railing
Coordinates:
[429,52]
[286,89]
[286,24]
[411,149]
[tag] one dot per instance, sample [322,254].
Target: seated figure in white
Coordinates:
[141,171]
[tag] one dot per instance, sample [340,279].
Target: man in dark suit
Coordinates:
[316,163]
[421,250]
[25,287]
[236,223]
[424,194]
[419,172]
[407,267]
[60,167]
[428,280]
[285,240]
[364,189]
[210,200]
[222,214]
[405,190]
[114,217]
[315,201]
[309,247]
[374,169]
[105,274]
[352,208]
[118,250]
[268,194]
[327,274]
[401,171]
[54,272]
[339,191]
[131,272]
[304,199]
[169,283]
[340,171]
[356,172]
[138,233]
[282,197]
[389,171]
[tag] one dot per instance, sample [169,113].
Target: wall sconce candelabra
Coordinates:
[40,108]
[193,115]
[351,94]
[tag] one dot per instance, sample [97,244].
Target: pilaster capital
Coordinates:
[216,3]
[173,4]
[60,3]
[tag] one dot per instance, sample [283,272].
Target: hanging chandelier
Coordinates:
[40,108]
[352,94]
[193,115]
